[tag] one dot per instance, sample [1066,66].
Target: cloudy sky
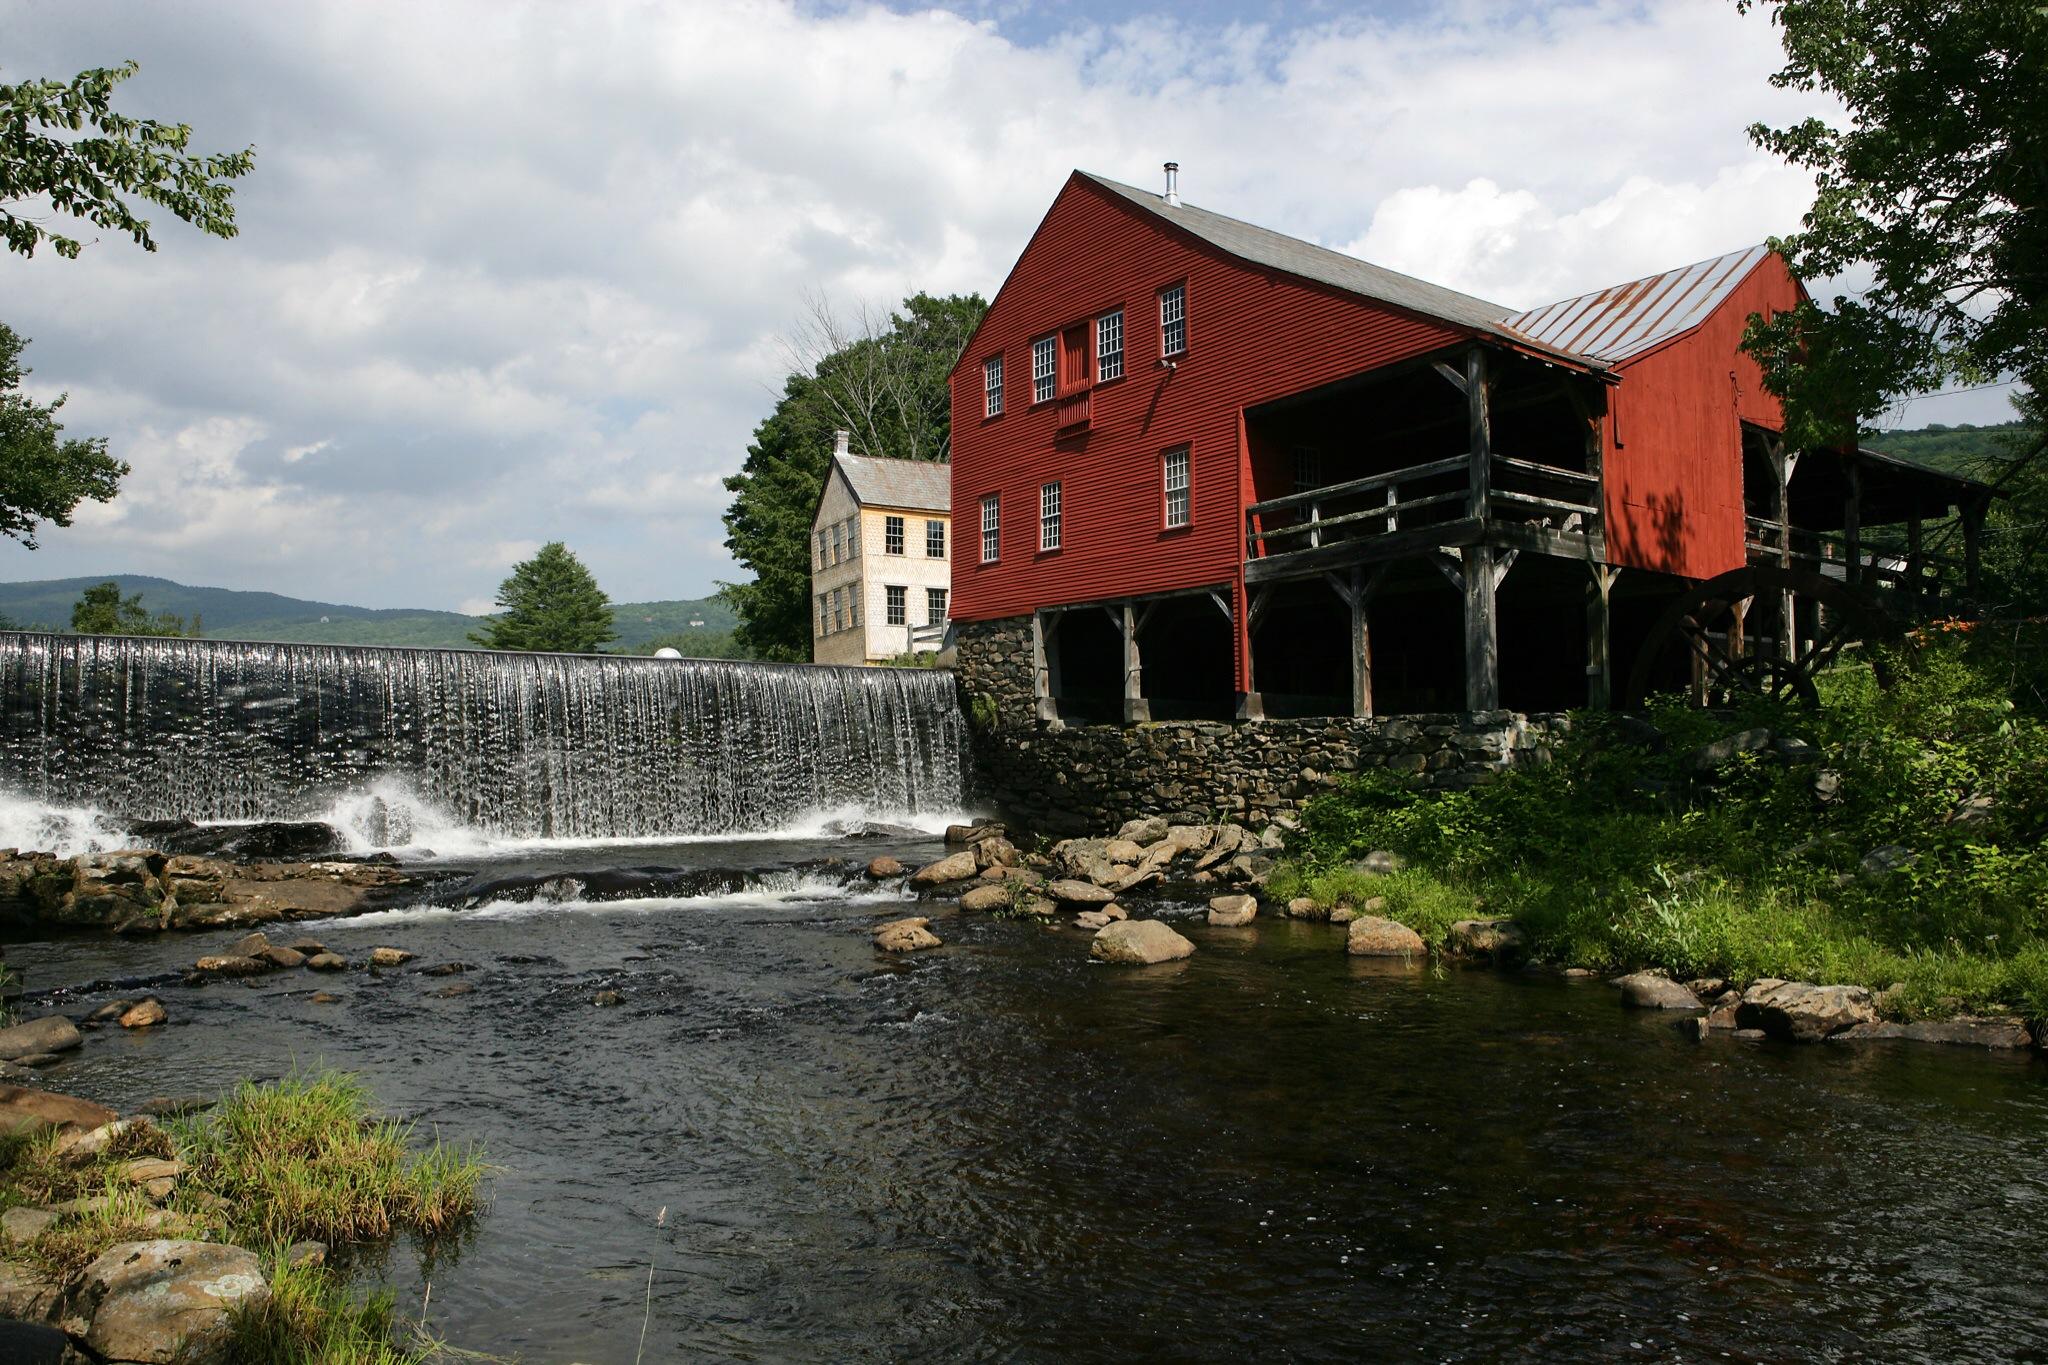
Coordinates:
[512,272]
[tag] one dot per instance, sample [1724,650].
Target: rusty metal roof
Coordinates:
[1625,320]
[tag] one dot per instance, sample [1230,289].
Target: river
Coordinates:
[1000,1151]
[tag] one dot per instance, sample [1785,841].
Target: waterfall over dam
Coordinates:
[516,745]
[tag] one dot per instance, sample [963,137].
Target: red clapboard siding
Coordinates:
[1674,437]
[1252,336]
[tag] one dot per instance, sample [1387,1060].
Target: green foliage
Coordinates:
[87,177]
[1934,181]
[43,477]
[888,386]
[102,610]
[311,1318]
[553,605]
[697,644]
[981,712]
[1614,855]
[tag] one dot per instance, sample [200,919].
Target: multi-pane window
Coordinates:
[822,538]
[1109,345]
[897,615]
[853,537]
[852,608]
[824,615]
[838,541]
[1043,358]
[1308,468]
[935,540]
[1176,463]
[935,606]
[892,535]
[838,609]
[991,528]
[1049,517]
[992,386]
[1173,319]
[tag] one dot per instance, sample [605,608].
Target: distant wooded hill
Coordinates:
[1978,452]
[703,625]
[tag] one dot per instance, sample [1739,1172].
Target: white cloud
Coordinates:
[513,272]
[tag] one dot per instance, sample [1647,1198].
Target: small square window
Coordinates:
[935,606]
[1109,346]
[991,528]
[992,386]
[897,615]
[1049,517]
[935,540]
[1044,357]
[1173,319]
[1176,467]
[892,535]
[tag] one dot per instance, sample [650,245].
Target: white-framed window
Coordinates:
[935,540]
[1049,517]
[1308,468]
[892,535]
[1173,319]
[935,606]
[1175,464]
[1044,363]
[991,528]
[1109,346]
[992,386]
[898,615]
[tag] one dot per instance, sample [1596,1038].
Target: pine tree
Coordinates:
[552,604]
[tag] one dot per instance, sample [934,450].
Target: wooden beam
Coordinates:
[1599,643]
[1451,376]
[1482,639]
[1503,561]
[1365,550]
[1451,569]
[1041,666]
[1479,435]
[1136,709]
[1361,647]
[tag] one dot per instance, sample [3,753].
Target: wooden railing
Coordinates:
[1921,571]
[1423,495]
[1074,411]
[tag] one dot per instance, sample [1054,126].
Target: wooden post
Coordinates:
[1357,590]
[1479,443]
[1482,636]
[1041,668]
[1852,524]
[1599,644]
[1783,462]
[1136,709]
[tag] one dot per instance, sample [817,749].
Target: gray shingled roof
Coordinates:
[1278,251]
[922,485]
[1625,320]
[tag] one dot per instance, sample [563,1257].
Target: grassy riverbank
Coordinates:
[1893,836]
[302,1159]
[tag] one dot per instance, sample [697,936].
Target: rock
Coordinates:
[24,1223]
[82,1149]
[269,840]
[1272,839]
[1148,830]
[987,899]
[27,1293]
[1091,919]
[1304,907]
[906,935]
[1139,943]
[1113,911]
[1721,1014]
[51,1033]
[1038,906]
[38,1060]
[1883,862]
[996,852]
[1374,936]
[1801,1011]
[1706,987]
[448,969]
[607,999]
[327,962]
[1973,810]
[1709,757]
[454,989]
[1231,911]
[1344,914]
[165,1300]
[306,1253]
[974,833]
[1380,863]
[286,958]
[954,867]
[1649,991]
[389,957]
[1190,838]
[1498,939]
[324,998]
[1250,869]
[109,1012]
[307,947]
[1749,1035]
[232,966]
[1694,1028]
[1967,1030]
[1069,892]
[1122,851]
[145,1014]
[883,868]
[1827,786]
[250,945]
[1000,873]
[157,1176]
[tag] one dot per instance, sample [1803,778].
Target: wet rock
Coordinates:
[1694,1028]
[974,833]
[163,1301]
[454,989]
[270,840]
[987,899]
[997,852]
[38,1060]
[389,957]
[144,1014]
[1304,907]
[1380,863]
[250,945]
[50,1034]
[1022,875]
[109,1012]
[1372,936]
[1072,893]
[28,1293]
[906,935]
[307,1253]
[1148,830]
[230,965]
[1968,1030]
[954,867]
[324,998]
[1139,943]
[25,1223]
[1721,1013]
[1649,991]
[607,999]
[307,947]
[1498,939]
[286,958]
[448,969]
[1231,911]
[883,868]
[327,962]
[1801,1011]
[1707,987]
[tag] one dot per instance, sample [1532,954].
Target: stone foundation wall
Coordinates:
[1055,779]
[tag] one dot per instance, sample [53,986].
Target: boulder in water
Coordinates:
[165,1300]
[1072,893]
[1497,939]
[1232,911]
[23,1110]
[144,1014]
[1139,943]
[389,957]
[906,935]
[1374,936]
[988,898]
[883,868]
[326,962]
[1649,991]
[231,965]
[954,867]
[51,1033]
[1801,1011]
[269,840]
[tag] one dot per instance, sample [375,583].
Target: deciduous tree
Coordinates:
[551,604]
[101,610]
[43,474]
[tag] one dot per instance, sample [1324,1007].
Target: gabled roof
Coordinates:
[921,485]
[1278,251]
[1624,320]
